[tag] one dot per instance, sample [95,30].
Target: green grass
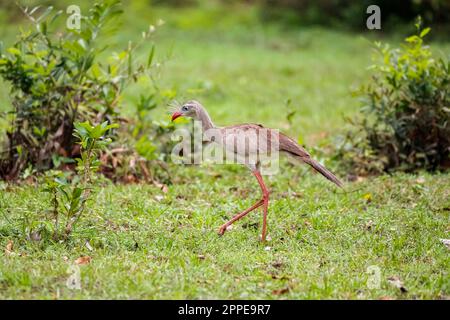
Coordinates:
[322,239]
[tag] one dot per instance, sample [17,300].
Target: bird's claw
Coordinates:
[222,230]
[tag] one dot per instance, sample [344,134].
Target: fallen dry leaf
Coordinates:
[215,175]
[9,247]
[396,282]
[360,179]
[201,257]
[307,223]
[83,260]
[280,291]
[162,186]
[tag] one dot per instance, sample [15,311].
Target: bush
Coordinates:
[406,112]
[59,77]
[352,14]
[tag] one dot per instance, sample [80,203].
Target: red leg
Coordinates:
[264,201]
[224,227]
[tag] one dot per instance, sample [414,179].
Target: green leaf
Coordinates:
[425,32]
[42,27]
[150,56]
[412,39]
[112,126]
[97,132]
[130,63]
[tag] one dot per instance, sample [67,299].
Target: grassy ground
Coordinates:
[147,244]
[144,243]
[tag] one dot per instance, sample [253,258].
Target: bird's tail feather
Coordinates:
[323,171]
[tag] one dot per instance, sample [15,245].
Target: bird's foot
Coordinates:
[224,228]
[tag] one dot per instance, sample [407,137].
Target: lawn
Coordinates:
[146,243]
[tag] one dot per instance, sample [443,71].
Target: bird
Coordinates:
[257,140]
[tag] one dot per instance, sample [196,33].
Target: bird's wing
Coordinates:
[244,126]
[248,138]
[278,140]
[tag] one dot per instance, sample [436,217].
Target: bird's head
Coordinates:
[189,109]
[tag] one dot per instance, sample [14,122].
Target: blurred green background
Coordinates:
[245,60]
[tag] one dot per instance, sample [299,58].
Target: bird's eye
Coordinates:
[184,108]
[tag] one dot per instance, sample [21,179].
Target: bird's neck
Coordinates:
[205,119]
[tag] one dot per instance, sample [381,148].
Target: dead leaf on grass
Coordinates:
[9,248]
[280,291]
[307,223]
[83,260]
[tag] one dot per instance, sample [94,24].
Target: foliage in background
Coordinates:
[347,14]
[352,14]
[59,77]
[406,112]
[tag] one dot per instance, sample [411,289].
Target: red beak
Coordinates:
[176,115]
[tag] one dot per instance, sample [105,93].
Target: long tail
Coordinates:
[322,170]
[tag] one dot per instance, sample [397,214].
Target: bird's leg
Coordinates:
[224,227]
[264,201]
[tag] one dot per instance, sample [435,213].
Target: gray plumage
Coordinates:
[230,138]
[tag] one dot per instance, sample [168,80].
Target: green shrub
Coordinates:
[59,77]
[406,112]
[352,14]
